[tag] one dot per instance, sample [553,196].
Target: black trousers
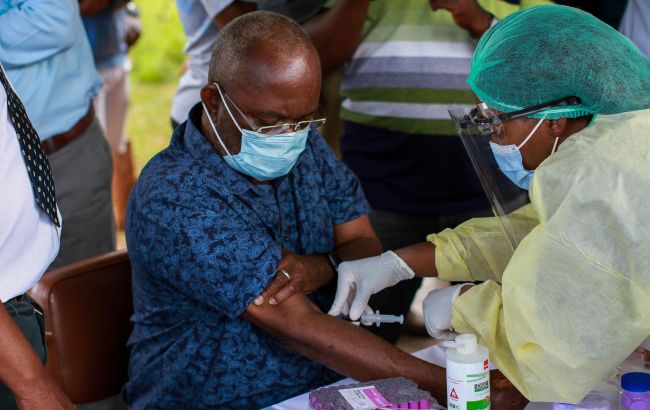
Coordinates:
[28,316]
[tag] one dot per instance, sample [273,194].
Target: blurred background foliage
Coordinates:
[158,62]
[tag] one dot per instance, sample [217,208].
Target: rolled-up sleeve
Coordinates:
[218,261]
[34,30]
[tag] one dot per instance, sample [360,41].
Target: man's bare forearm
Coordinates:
[421,257]
[341,346]
[20,368]
[359,354]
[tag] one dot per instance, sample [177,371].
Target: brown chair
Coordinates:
[87,308]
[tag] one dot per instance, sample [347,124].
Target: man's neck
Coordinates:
[208,133]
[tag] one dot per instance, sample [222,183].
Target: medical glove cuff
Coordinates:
[402,270]
[437,309]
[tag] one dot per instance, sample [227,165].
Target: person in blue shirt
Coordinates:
[46,55]
[238,214]
[202,20]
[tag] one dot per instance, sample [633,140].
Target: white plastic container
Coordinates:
[468,374]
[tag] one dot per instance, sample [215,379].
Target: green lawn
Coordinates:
[158,55]
[148,126]
[157,60]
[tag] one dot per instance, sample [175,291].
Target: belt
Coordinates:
[58,141]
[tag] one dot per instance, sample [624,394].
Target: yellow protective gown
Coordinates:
[574,299]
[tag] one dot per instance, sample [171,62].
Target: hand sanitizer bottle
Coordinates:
[468,374]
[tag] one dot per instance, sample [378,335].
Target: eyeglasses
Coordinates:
[278,128]
[534,109]
[490,124]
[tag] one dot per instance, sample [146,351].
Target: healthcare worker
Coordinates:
[564,114]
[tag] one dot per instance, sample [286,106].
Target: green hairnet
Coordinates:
[544,53]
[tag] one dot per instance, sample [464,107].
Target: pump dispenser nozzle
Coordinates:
[464,344]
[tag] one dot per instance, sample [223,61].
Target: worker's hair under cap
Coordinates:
[549,52]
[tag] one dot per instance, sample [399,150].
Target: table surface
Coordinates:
[435,354]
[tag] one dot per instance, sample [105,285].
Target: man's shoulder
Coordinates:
[170,168]
[317,146]
[173,173]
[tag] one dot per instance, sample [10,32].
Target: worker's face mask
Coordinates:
[262,157]
[511,162]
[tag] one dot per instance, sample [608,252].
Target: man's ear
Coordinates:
[558,127]
[210,97]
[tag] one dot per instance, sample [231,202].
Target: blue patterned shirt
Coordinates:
[204,242]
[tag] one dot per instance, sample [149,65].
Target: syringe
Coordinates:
[376,319]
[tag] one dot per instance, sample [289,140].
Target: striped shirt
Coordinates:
[412,63]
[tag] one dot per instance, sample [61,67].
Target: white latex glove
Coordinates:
[437,311]
[365,277]
[366,311]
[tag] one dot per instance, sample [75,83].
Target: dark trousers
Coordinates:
[82,172]
[397,231]
[28,316]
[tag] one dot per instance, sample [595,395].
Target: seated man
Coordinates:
[237,199]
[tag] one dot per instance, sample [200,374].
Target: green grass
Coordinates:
[158,55]
[157,60]
[148,126]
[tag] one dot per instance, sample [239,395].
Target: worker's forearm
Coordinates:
[359,248]
[20,368]
[336,33]
[420,257]
[355,352]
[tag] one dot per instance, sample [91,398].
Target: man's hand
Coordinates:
[503,395]
[467,14]
[296,273]
[43,394]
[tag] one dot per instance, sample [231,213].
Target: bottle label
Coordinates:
[468,386]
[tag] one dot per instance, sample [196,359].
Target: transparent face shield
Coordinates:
[477,128]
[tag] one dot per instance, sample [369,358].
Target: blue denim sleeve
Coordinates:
[345,197]
[211,256]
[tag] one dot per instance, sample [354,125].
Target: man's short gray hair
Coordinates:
[240,38]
